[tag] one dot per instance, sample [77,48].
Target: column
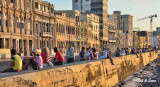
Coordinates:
[38,42]
[4,40]
[27,43]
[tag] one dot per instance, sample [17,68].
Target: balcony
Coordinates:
[112,30]
[47,34]
[112,41]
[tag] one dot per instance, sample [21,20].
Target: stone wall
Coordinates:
[5,53]
[94,74]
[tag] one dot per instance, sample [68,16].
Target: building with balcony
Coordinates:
[26,24]
[111,36]
[93,31]
[68,30]
[100,8]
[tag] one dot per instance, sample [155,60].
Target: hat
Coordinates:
[34,50]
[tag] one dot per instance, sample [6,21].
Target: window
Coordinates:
[81,1]
[51,10]
[87,0]
[75,0]
[12,1]
[36,5]
[87,6]
[0,21]
[6,22]
[75,6]
[81,7]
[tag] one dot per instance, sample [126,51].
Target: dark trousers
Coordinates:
[70,60]
[58,63]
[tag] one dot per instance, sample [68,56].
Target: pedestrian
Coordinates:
[71,58]
[59,58]
[82,53]
[45,57]
[67,54]
[15,64]
[105,52]
[109,56]
[117,52]
[125,49]
[122,52]
[35,61]
[88,53]
[95,56]
[128,51]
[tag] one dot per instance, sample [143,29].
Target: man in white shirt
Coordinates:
[71,58]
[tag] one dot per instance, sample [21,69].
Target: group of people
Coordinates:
[36,60]
[128,51]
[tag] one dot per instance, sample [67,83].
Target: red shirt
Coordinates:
[44,57]
[59,56]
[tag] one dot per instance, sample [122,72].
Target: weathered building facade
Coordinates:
[127,27]
[26,24]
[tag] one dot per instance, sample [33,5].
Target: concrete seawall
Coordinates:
[94,74]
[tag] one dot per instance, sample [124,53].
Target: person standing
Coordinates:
[81,54]
[117,52]
[16,63]
[71,58]
[67,54]
[45,56]
[59,58]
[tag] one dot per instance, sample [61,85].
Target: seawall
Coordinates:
[92,74]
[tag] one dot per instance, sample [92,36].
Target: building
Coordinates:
[98,7]
[135,39]
[81,5]
[26,25]
[68,22]
[157,28]
[93,31]
[127,27]
[156,38]
[111,36]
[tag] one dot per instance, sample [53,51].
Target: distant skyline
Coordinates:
[137,8]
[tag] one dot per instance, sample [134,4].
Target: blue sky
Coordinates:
[136,8]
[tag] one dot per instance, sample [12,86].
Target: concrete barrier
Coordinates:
[93,74]
[5,53]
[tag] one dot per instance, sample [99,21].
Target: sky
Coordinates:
[137,8]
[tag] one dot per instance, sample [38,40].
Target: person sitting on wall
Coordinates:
[35,61]
[109,56]
[45,57]
[105,52]
[16,63]
[81,54]
[59,58]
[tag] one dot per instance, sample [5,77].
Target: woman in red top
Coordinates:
[59,58]
[45,56]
